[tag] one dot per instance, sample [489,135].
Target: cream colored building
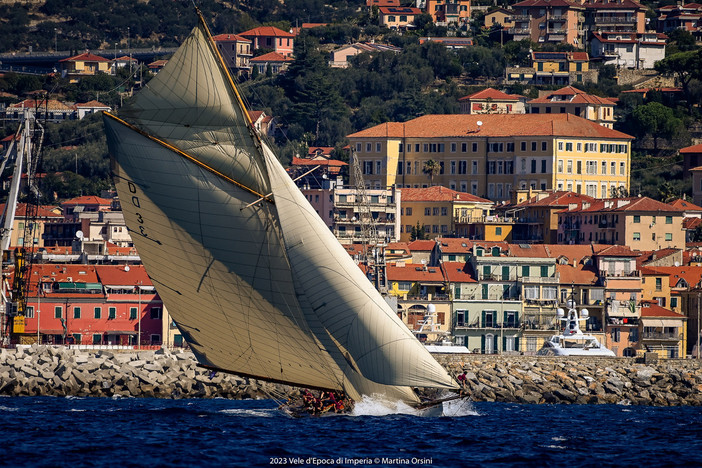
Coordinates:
[489,155]
[574,101]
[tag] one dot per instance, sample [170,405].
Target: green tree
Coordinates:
[418,232]
[685,66]
[431,168]
[655,120]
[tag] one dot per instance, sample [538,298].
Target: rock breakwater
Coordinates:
[529,379]
[58,371]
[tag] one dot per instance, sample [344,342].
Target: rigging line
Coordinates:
[187,156]
[268,195]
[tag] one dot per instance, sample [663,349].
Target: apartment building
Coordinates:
[236,52]
[614,16]
[574,101]
[489,155]
[492,101]
[351,211]
[548,21]
[629,49]
[638,222]
[445,12]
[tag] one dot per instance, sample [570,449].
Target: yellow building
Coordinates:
[43,215]
[86,64]
[397,17]
[489,155]
[655,286]
[445,12]
[501,16]
[439,210]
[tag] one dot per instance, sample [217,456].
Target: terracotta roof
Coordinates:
[692,149]
[86,57]
[654,310]
[569,274]
[458,272]
[685,205]
[118,275]
[67,273]
[438,193]
[495,95]
[230,37]
[422,245]
[617,251]
[266,31]
[494,125]
[125,58]
[414,272]
[88,200]
[578,97]
[450,245]
[691,223]
[51,104]
[397,246]
[91,104]
[632,204]
[558,199]
[527,250]
[609,5]
[158,64]
[574,252]
[354,249]
[271,57]
[44,211]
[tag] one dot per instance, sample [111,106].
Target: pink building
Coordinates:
[271,38]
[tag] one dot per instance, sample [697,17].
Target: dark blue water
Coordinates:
[57,432]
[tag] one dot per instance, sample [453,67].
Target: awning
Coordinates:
[651,322]
[120,332]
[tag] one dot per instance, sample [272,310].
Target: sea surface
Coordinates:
[58,432]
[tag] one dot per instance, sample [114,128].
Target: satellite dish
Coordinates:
[480,123]
[126,268]
[424,262]
[677,264]
[79,234]
[431,308]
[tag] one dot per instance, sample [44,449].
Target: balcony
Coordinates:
[482,220]
[520,31]
[427,297]
[520,18]
[540,279]
[661,336]
[614,20]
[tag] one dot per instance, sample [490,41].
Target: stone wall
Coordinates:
[58,371]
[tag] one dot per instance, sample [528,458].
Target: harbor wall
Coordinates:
[59,371]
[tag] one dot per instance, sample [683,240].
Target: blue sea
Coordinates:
[58,432]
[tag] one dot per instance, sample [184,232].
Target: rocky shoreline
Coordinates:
[58,371]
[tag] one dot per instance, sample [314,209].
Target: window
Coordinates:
[155,313]
[112,313]
[544,146]
[427,211]
[523,146]
[76,312]
[525,270]
[668,220]
[637,236]
[498,231]
[29,312]
[474,167]
[533,146]
[462,167]
[408,211]
[533,166]
[58,312]
[637,218]
[369,146]
[560,146]
[570,167]
[544,271]
[659,284]
[377,147]
[444,211]
[668,236]
[475,147]
[579,166]
[616,335]
[621,168]
[543,166]
[132,313]
[569,146]
[97,338]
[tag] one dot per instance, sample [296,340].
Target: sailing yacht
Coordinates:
[255,281]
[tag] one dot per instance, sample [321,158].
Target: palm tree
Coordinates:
[431,168]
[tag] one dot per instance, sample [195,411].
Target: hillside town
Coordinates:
[476,225]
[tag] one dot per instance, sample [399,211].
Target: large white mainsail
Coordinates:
[260,289]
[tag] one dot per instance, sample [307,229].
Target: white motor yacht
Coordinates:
[573,342]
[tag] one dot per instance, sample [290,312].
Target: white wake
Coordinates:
[378,405]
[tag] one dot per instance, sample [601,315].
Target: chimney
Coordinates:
[622,202]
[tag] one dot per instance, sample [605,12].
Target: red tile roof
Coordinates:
[413,272]
[44,211]
[654,310]
[689,274]
[317,162]
[392,10]
[494,125]
[691,223]
[609,5]
[617,251]
[579,97]
[692,149]
[493,94]
[545,3]
[68,273]
[271,57]
[230,37]
[685,205]
[569,274]
[266,31]
[558,199]
[458,272]
[91,104]
[422,245]
[86,57]
[438,193]
[119,275]
[631,204]
[88,200]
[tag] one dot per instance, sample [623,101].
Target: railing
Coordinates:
[428,297]
[516,18]
[617,19]
[661,336]
[631,274]
[539,279]
[519,31]
[482,219]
